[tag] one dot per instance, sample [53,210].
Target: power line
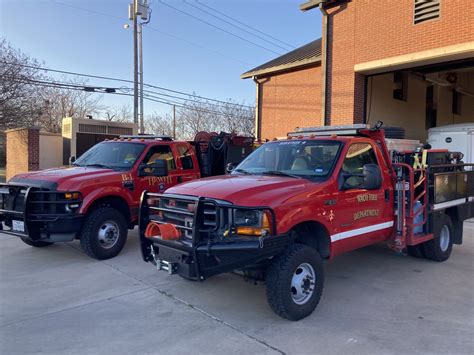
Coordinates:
[218,28]
[147,96]
[195,44]
[244,24]
[126,81]
[236,26]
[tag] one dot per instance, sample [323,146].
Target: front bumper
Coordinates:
[207,246]
[210,259]
[62,228]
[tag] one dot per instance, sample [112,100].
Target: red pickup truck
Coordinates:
[293,203]
[97,198]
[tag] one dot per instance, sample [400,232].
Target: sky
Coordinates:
[179,51]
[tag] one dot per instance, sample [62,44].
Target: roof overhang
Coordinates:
[282,68]
[309,5]
[415,59]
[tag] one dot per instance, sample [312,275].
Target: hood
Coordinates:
[66,178]
[245,190]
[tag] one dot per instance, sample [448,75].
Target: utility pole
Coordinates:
[135,9]
[174,121]
[140,47]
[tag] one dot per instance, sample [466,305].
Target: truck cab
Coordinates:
[97,198]
[292,204]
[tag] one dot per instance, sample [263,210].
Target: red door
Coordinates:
[362,217]
[157,183]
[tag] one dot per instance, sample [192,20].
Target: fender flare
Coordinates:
[108,191]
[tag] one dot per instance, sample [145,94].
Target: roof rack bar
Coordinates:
[146,136]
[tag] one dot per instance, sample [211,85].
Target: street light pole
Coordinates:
[140,53]
[135,61]
[135,9]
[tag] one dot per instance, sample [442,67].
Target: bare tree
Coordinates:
[20,104]
[159,124]
[119,114]
[202,115]
[60,102]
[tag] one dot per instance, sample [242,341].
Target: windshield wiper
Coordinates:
[244,172]
[97,165]
[280,173]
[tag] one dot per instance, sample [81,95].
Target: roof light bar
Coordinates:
[328,130]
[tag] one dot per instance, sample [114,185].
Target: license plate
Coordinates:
[18,226]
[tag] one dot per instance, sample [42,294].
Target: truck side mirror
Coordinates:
[229,168]
[158,168]
[372,177]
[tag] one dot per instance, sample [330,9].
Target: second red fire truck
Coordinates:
[294,203]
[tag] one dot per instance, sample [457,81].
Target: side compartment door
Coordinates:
[364,216]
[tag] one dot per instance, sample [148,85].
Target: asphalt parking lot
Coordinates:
[57,300]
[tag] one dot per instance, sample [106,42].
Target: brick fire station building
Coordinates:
[409,63]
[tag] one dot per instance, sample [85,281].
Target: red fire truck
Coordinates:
[294,203]
[97,198]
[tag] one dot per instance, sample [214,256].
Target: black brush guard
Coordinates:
[38,211]
[206,252]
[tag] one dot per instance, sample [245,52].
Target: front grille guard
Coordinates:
[5,190]
[199,202]
[32,196]
[144,219]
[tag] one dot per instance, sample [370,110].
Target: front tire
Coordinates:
[36,243]
[295,282]
[104,233]
[440,247]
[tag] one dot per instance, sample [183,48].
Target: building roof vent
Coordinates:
[426,10]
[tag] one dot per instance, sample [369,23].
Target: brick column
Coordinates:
[33,149]
[22,146]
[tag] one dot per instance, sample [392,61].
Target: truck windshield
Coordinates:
[310,159]
[111,155]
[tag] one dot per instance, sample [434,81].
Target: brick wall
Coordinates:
[385,28]
[22,151]
[366,30]
[290,100]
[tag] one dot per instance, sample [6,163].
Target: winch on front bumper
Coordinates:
[38,214]
[207,243]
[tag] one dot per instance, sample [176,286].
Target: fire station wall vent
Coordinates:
[89,128]
[426,10]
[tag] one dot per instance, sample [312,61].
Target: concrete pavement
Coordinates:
[57,300]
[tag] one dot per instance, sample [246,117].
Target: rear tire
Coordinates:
[295,281]
[439,248]
[36,243]
[104,233]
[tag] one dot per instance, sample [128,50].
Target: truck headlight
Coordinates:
[252,222]
[75,199]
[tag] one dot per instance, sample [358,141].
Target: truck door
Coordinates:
[188,168]
[361,216]
[158,183]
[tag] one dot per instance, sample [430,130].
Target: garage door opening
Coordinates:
[423,97]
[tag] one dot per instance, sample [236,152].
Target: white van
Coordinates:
[456,138]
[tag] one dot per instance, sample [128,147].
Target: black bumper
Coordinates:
[210,259]
[61,228]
